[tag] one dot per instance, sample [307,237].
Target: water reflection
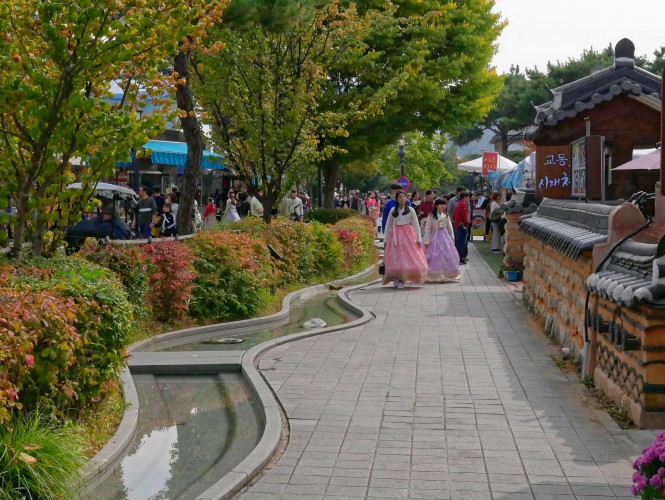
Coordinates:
[324,305]
[188,437]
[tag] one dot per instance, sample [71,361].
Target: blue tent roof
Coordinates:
[175,154]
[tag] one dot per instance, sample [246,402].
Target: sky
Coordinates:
[539,31]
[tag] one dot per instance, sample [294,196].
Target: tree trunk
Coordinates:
[21,218]
[268,201]
[192,131]
[330,171]
[38,237]
[504,143]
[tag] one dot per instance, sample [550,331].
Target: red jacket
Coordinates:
[425,208]
[209,209]
[461,214]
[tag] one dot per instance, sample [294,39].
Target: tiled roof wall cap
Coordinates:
[568,227]
[633,273]
[565,238]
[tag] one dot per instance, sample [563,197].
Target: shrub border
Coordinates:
[244,472]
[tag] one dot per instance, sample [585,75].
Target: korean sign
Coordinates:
[490,162]
[553,177]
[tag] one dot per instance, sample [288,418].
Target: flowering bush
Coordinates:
[38,343]
[77,351]
[649,475]
[357,236]
[170,280]
[232,274]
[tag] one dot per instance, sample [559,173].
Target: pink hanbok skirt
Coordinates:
[403,258]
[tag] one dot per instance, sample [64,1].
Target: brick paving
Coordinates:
[450,393]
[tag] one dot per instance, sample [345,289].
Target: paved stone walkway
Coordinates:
[448,394]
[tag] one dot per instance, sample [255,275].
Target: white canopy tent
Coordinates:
[477,165]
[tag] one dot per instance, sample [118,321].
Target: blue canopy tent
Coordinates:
[175,154]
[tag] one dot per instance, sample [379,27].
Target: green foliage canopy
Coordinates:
[423,162]
[59,61]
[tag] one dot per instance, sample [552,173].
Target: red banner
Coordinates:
[490,162]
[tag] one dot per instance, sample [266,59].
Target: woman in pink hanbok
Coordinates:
[403,255]
[442,257]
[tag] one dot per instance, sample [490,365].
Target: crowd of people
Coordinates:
[425,239]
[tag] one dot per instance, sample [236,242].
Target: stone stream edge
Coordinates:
[243,362]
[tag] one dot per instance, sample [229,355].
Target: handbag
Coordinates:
[382,268]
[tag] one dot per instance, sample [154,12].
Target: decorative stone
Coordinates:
[314,323]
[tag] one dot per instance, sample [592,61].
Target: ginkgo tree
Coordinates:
[59,61]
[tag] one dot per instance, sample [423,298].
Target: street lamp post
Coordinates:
[401,154]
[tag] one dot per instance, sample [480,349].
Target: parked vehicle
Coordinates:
[113,221]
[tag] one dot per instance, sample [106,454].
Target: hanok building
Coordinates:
[596,122]
[594,268]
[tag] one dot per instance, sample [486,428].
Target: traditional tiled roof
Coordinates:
[601,86]
[567,226]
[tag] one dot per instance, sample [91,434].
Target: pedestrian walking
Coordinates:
[452,201]
[294,208]
[461,222]
[231,213]
[255,206]
[146,208]
[495,215]
[442,257]
[403,255]
[167,226]
[210,214]
[390,204]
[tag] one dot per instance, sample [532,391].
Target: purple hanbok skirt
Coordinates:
[442,258]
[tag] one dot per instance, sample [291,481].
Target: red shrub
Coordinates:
[170,279]
[38,345]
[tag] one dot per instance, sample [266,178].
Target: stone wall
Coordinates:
[513,247]
[629,359]
[627,345]
[554,291]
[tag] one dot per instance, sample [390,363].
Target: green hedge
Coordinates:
[329,215]
[101,315]
[232,275]
[65,321]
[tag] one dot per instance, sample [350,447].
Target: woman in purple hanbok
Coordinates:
[442,257]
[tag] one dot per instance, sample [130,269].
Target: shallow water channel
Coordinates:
[324,305]
[194,429]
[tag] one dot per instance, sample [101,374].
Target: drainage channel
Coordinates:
[307,312]
[197,416]
[192,430]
